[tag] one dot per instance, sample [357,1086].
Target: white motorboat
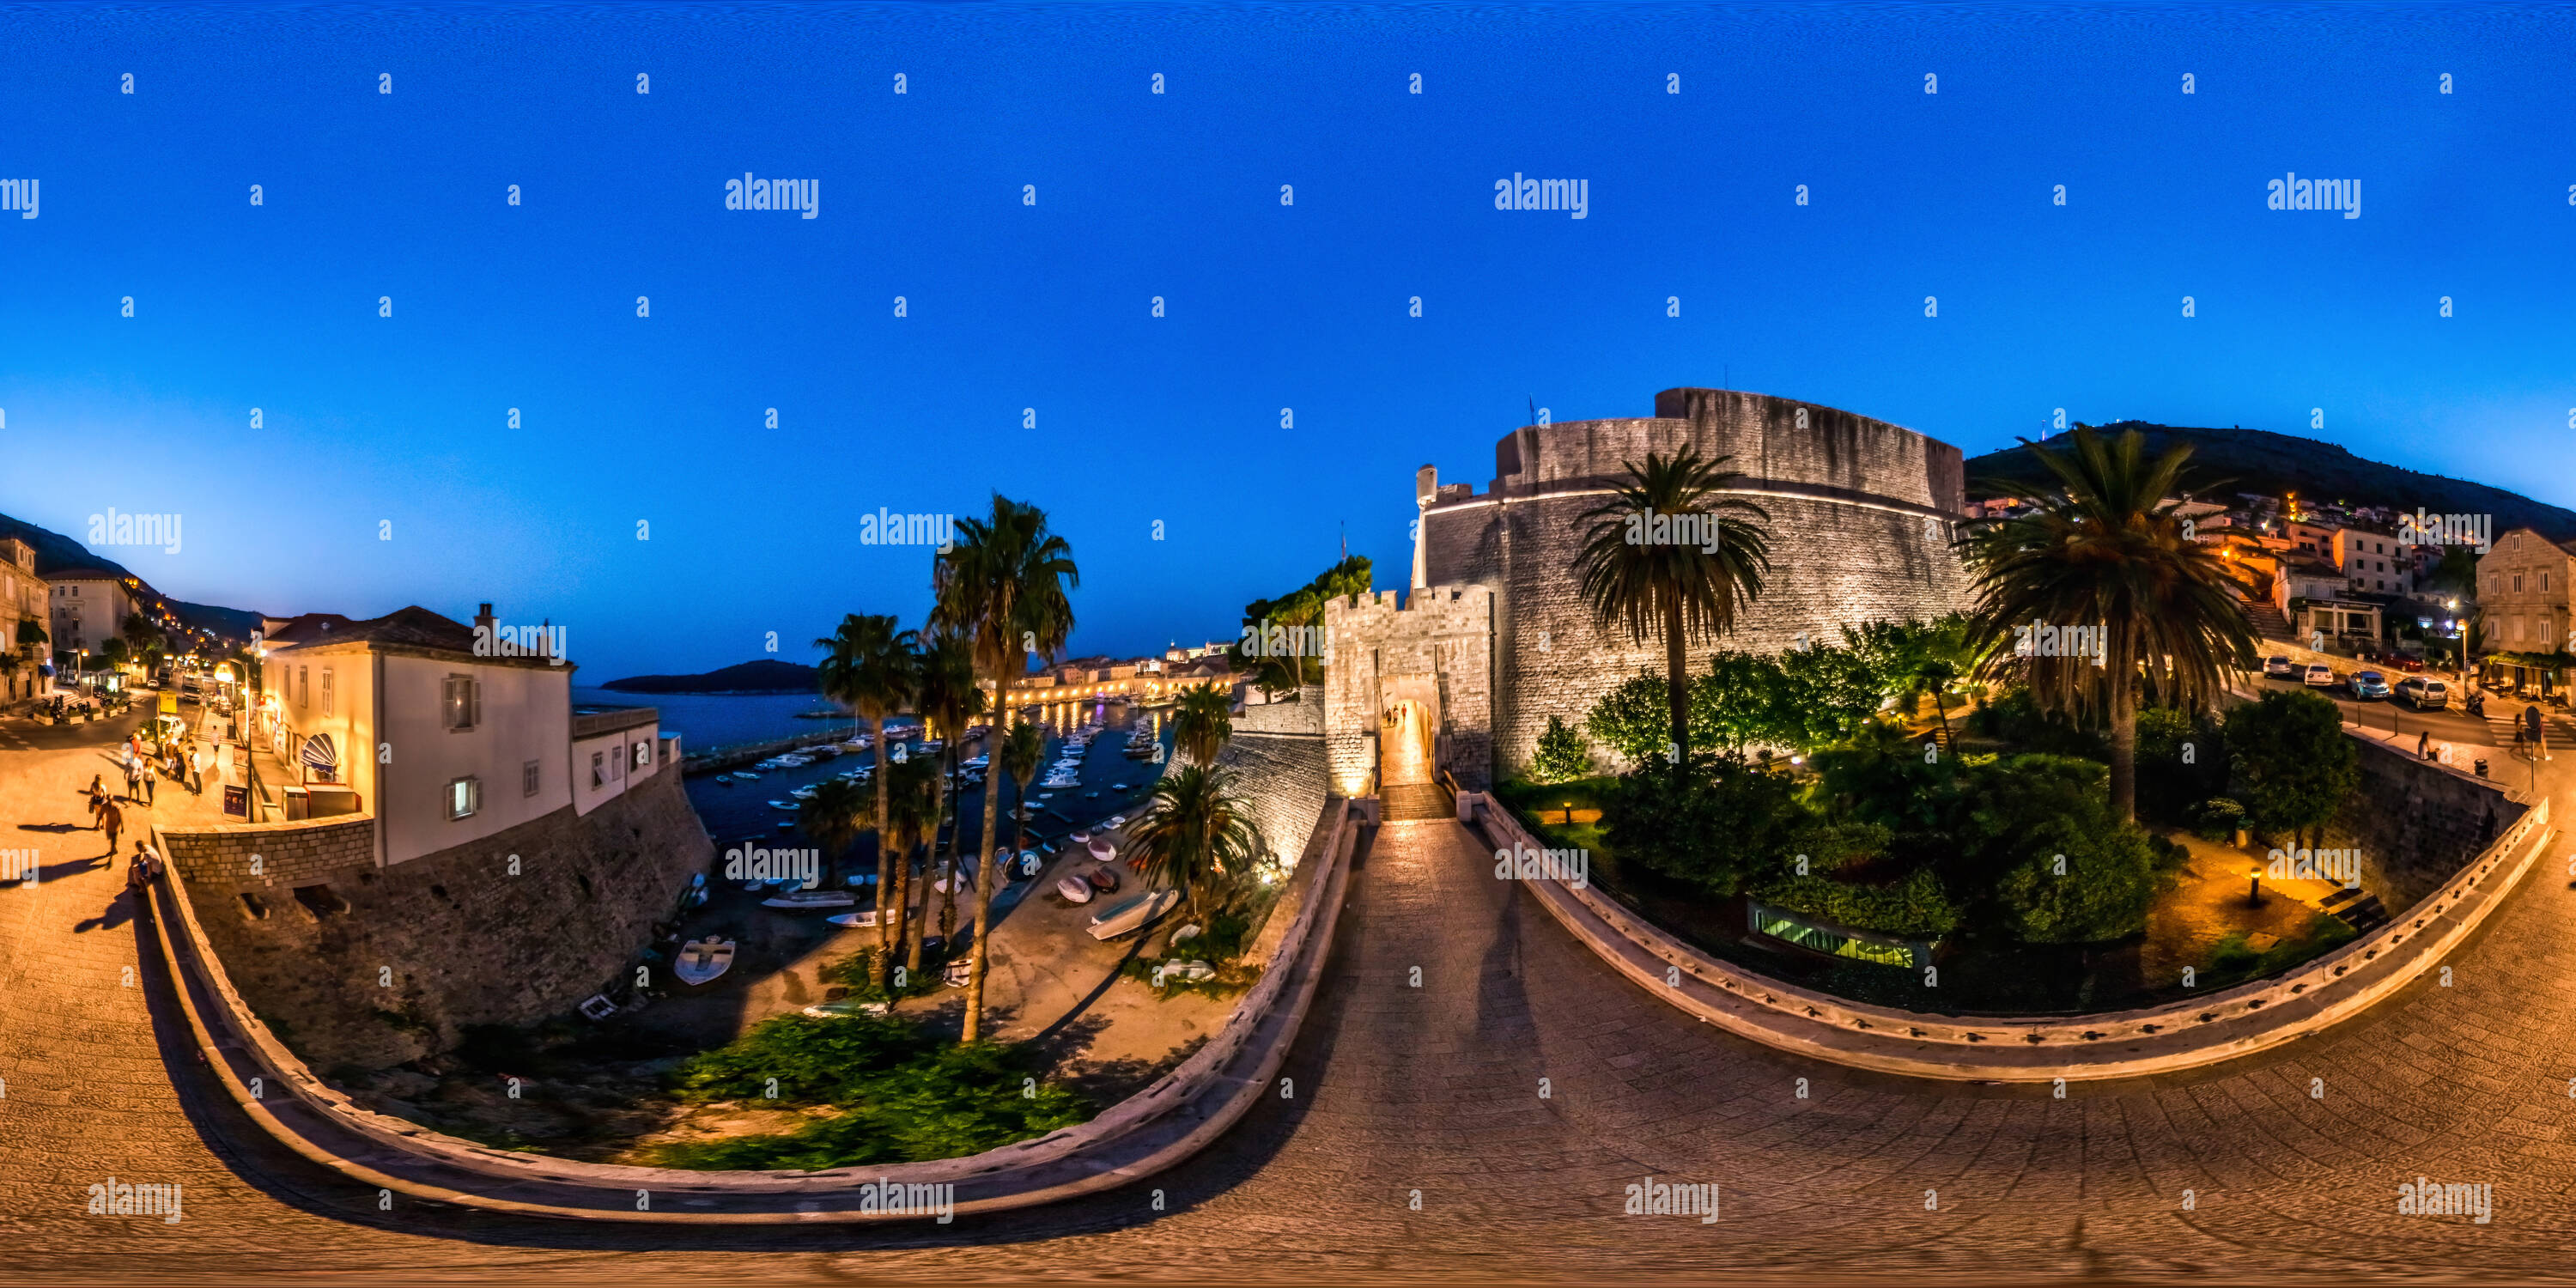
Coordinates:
[701,960]
[1101,849]
[806,793]
[853,920]
[1130,915]
[1074,889]
[803,900]
[1082,837]
[787,805]
[1116,823]
[740,774]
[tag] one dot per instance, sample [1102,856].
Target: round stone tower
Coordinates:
[1861,515]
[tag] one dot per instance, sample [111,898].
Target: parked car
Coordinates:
[2369,684]
[2318,676]
[2279,666]
[2404,663]
[2424,694]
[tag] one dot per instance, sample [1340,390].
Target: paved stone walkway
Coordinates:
[1437,1089]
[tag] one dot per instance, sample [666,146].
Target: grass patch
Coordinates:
[902,1095]
[2232,961]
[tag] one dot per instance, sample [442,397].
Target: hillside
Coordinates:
[56,552]
[2256,460]
[765,675]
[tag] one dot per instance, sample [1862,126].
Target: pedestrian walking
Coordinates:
[112,821]
[151,782]
[97,799]
[2424,745]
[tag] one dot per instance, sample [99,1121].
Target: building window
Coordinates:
[304,686]
[528,779]
[2517,583]
[599,769]
[326,690]
[2544,583]
[464,797]
[461,702]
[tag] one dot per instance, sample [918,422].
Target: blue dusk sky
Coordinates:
[368,421]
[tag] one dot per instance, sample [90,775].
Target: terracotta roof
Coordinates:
[412,628]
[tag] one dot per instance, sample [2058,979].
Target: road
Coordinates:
[1432,1091]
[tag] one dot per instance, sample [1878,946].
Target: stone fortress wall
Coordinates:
[467,942]
[1435,648]
[1861,514]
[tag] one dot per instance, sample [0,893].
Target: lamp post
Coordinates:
[2254,891]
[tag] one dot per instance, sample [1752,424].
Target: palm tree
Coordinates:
[1203,722]
[835,818]
[1195,832]
[2108,551]
[1003,585]
[911,800]
[1650,582]
[1022,751]
[949,700]
[868,666]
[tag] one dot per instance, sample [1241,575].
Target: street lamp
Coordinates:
[2254,893]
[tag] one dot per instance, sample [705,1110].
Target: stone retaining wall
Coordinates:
[2117,1044]
[383,966]
[2412,819]
[1177,1116]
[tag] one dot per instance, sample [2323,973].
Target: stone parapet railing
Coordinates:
[1157,1128]
[2112,1044]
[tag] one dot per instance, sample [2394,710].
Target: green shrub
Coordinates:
[2291,762]
[948,1103]
[816,1061]
[1716,824]
[1913,908]
[2219,819]
[1562,756]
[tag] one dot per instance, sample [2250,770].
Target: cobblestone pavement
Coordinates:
[1517,1090]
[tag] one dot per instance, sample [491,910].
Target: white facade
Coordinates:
[89,606]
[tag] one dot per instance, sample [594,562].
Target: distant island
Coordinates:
[766,675]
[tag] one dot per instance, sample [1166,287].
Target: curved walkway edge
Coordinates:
[2113,1044]
[1161,1126]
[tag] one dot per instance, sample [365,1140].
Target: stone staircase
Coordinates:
[1398,802]
[2267,619]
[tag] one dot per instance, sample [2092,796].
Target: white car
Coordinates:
[2279,666]
[2319,676]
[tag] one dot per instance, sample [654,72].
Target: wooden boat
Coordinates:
[1133,914]
[702,960]
[1103,879]
[1074,889]
[803,900]
[1101,850]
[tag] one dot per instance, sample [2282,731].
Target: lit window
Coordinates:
[461,702]
[464,797]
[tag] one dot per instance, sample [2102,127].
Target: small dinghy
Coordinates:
[1080,838]
[1101,850]
[853,920]
[1132,914]
[786,805]
[754,887]
[800,900]
[1189,971]
[725,780]
[1103,879]
[1074,889]
[701,960]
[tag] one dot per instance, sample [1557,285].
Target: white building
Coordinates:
[405,717]
[2374,562]
[89,607]
[24,597]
